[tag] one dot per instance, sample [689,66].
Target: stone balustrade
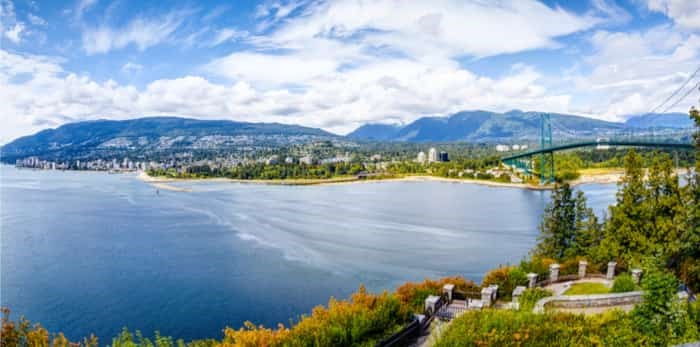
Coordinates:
[586,301]
[582,268]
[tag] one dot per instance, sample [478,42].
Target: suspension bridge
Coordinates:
[665,138]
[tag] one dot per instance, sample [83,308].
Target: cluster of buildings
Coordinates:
[98,164]
[433,156]
[506,148]
[180,162]
[306,159]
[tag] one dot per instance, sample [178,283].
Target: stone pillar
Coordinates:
[486,295]
[448,289]
[531,280]
[431,304]
[611,270]
[494,292]
[582,268]
[516,294]
[636,275]
[553,273]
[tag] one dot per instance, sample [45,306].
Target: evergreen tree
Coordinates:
[626,230]
[588,230]
[690,239]
[558,229]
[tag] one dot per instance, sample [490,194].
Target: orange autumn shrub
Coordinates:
[538,265]
[253,336]
[412,294]
[507,278]
[363,319]
[23,334]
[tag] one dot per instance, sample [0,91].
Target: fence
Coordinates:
[414,329]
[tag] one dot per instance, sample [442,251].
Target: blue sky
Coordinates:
[338,64]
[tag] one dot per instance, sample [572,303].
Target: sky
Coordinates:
[339,64]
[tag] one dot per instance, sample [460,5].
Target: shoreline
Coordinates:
[587,176]
[607,177]
[163,181]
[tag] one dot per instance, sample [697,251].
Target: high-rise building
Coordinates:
[432,155]
[421,157]
[443,156]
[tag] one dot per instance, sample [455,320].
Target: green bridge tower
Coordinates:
[546,176]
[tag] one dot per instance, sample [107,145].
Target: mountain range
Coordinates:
[169,134]
[156,135]
[485,126]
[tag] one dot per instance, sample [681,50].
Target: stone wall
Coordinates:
[584,301]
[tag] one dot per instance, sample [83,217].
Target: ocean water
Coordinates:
[86,252]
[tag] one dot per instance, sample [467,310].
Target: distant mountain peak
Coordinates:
[480,126]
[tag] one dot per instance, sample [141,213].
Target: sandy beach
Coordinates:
[588,176]
[164,182]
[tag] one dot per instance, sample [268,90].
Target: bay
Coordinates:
[86,252]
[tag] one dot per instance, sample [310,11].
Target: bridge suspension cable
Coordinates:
[695,87]
[685,83]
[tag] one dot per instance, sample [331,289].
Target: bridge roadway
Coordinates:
[597,143]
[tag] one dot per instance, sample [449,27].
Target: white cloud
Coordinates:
[141,32]
[271,69]
[36,20]
[130,68]
[685,13]
[15,32]
[82,6]
[446,27]
[36,92]
[10,28]
[227,34]
[635,71]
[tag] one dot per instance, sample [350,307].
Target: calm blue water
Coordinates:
[92,252]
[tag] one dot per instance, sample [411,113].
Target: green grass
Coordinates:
[587,288]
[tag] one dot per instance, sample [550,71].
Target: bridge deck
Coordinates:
[597,143]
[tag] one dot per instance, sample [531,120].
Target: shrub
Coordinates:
[23,334]
[623,283]
[564,176]
[530,297]
[519,328]
[507,278]
[653,316]
[412,295]
[363,319]
[537,265]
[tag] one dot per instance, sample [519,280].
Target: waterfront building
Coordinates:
[308,160]
[432,155]
[421,157]
[443,157]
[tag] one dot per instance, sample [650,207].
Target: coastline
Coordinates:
[588,176]
[608,176]
[164,182]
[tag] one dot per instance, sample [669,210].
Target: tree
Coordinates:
[588,230]
[558,229]
[629,218]
[690,238]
